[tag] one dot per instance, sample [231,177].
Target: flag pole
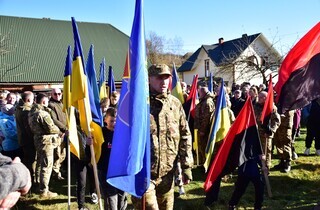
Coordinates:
[69,174]
[95,173]
[68,163]
[197,148]
[143,202]
[265,172]
[93,162]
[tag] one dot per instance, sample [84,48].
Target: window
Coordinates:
[206,67]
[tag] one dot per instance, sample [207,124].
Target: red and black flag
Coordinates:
[299,74]
[241,143]
[191,102]
[268,106]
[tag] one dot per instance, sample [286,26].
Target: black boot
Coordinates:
[280,166]
[287,166]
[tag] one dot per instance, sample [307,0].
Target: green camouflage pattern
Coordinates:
[266,136]
[283,136]
[159,69]
[170,135]
[160,194]
[46,139]
[203,118]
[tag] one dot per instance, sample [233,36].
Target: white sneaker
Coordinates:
[307,151]
[318,152]
[94,198]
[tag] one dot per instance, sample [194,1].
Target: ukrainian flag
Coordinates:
[97,120]
[219,127]
[176,85]
[68,109]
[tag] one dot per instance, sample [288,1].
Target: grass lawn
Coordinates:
[299,189]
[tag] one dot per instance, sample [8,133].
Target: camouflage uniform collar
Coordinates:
[39,106]
[159,95]
[208,95]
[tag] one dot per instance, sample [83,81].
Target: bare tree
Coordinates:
[251,61]
[155,45]
[6,47]
[161,50]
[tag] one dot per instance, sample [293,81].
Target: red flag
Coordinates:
[193,96]
[299,74]
[268,105]
[241,142]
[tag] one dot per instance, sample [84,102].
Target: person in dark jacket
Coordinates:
[237,102]
[114,199]
[60,120]
[249,171]
[313,131]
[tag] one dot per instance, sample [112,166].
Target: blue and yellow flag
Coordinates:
[219,127]
[176,89]
[67,81]
[68,109]
[97,120]
[111,83]
[129,164]
[79,83]
[102,82]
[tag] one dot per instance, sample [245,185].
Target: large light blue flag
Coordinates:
[129,164]
[111,83]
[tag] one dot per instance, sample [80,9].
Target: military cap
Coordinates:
[159,69]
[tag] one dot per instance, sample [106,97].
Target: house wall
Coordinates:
[259,48]
[199,68]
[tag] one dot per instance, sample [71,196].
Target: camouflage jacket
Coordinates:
[42,125]
[170,136]
[275,121]
[204,114]
[287,120]
[25,135]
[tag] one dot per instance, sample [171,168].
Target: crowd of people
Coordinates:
[33,128]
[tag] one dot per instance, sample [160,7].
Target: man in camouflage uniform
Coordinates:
[170,141]
[59,118]
[203,118]
[46,139]
[266,133]
[283,141]
[25,136]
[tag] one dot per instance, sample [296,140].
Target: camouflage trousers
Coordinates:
[283,143]
[202,144]
[45,146]
[160,194]
[59,156]
[266,143]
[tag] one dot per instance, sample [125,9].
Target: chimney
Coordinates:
[244,36]
[220,41]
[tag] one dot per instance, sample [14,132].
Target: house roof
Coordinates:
[38,48]
[217,52]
